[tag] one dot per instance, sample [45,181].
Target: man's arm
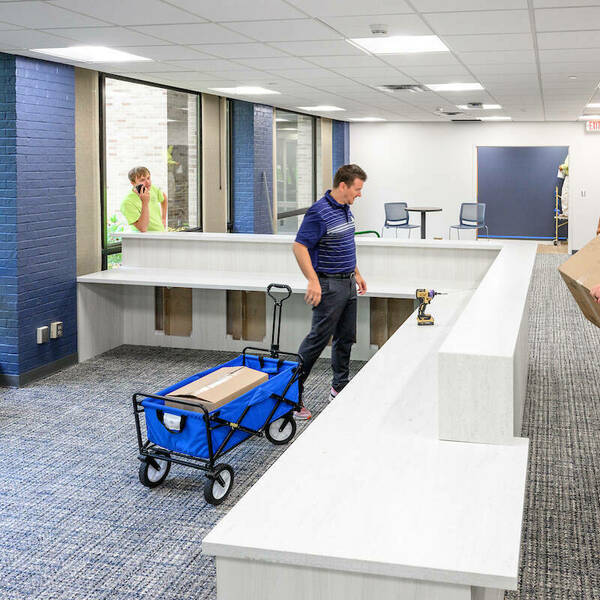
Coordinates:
[313,289]
[362,284]
[142,223]
[595,292]
[163,210]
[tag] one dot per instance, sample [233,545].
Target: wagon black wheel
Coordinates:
[219,484]
[555,243]
[281,431]
[153,471]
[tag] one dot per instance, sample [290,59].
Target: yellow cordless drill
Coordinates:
[425,297]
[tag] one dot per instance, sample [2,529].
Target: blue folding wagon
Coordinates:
[200,439]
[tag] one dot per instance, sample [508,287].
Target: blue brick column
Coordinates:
[340,144]
[9,343]
[45,244]
[252,166]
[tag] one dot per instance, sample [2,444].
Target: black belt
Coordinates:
[337,275]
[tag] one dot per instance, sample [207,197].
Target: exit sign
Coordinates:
[593,126]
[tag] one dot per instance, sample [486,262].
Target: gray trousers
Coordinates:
[334,316]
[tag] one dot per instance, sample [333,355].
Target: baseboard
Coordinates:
[38,373]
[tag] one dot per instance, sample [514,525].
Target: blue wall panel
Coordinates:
[38,225]
[517,185]
[263,168]
[340,147]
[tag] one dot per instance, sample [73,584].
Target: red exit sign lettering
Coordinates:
[593,126]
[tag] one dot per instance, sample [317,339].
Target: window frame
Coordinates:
[115,248]
[300,211]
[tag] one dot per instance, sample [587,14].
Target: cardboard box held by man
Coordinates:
[581,273]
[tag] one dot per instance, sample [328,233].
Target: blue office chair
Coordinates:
[396,217]
[472,216]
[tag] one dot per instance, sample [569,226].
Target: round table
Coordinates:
[424,210]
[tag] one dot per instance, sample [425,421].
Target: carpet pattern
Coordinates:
[75,523]
[560,550]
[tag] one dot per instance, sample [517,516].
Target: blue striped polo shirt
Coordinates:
[328,232]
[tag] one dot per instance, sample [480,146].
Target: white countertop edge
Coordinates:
[498,581]
[288,239]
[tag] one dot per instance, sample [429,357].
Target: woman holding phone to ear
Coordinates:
[145,206]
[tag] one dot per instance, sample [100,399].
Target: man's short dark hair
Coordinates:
[347,174]
[137,172]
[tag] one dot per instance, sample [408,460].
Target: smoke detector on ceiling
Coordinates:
[378,29]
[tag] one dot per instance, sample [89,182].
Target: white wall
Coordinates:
[435,164]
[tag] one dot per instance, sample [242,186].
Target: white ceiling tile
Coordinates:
[132,12]
[458,5]
[357,72]
[567,19]
[573,55]
[358,27]
[275,64]
[29,38]
[41,15]
[489,43]
[164,52]
[568,39]
[107,36]
[467,23]
[145,67]
[284,31]
[240,10]
[506,69]
[498,58]
[250,50]
[579,69]
[420,59]
[331,8]
[9,27]
[563,3]
[454,72]
[193,33]
[336,62]
[321,48]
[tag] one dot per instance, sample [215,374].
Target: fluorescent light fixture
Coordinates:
[593,105]
[400,44]
[244,91]
[454,87]
[367,119]
[496,118]
[482,107]
[92,54]
[281,120]
[322,108]
[589,117]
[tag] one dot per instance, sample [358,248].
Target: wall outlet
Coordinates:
[56,329]
[43,334]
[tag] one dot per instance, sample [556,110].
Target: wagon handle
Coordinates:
[281,286]
[277,315]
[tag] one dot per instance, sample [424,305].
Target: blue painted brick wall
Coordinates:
[242,166]
[9,343]
[263,168]
[252,155]
[340,146]
[43,242]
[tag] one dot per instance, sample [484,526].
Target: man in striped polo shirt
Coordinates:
[326,253]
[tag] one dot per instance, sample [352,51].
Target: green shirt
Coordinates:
[131,209]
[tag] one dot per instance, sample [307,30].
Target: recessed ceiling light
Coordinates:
[400,44]
[367,119]
[244,91]
[589,117]
[572,76]
[482,107]
[454,87]
[323,108]
[92,54]
[496,118]
[593,105]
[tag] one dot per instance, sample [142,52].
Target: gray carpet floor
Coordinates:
[75,523]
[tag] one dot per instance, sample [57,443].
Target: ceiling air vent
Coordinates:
[449,113]
[475,104]
[402,87]
[465,120]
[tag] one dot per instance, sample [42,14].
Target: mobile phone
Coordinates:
[139,187]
